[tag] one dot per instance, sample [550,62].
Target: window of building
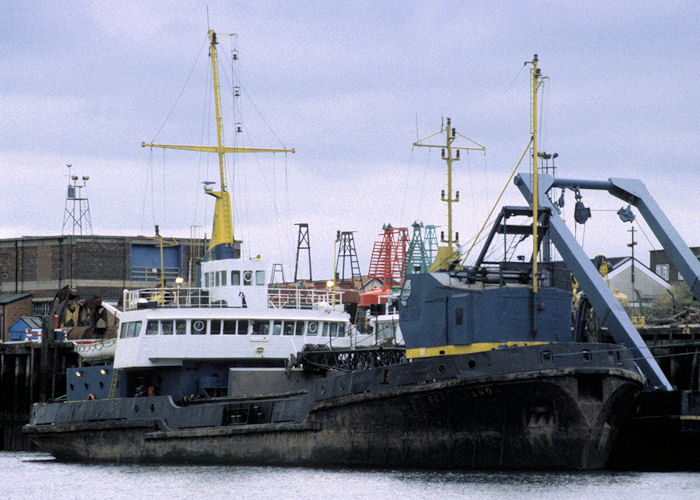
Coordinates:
[662,270]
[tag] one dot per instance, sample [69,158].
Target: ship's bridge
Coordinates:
[236,282]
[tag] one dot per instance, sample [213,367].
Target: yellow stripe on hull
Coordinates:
[451,350]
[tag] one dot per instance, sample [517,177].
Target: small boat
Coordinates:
[95,349]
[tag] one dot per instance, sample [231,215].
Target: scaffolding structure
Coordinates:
[77,211]
[347,257]
[303,244]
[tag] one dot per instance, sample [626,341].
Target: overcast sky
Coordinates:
[350,85]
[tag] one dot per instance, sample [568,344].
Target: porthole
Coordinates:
[199,326]
[247,277]
[313,327]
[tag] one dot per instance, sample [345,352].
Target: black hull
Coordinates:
[562,418]
[660,433]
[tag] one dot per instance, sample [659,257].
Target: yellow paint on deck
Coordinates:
[451,350]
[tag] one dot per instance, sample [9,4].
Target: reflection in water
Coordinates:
[36,475]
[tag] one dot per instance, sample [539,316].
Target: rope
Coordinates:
[206,39]
[497,201]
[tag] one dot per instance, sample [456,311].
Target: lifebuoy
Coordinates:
[91,397]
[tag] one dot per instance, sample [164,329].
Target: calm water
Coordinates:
[36,475]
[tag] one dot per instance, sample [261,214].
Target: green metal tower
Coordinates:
[416,260]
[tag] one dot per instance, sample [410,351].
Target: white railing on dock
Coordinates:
[278,298]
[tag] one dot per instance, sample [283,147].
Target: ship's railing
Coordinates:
[303,298]
[145,298]
[278,298]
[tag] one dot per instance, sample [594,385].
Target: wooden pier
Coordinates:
[677,350]
[29,372]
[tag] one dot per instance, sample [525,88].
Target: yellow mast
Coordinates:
[222,232]
[445,253]
[537,80]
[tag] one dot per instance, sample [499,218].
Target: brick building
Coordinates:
[660,263]
[99,266]
[12,307]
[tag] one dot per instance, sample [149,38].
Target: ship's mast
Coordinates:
[450,135]
[537,80]
[222,232]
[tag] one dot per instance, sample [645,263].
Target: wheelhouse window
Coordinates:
[261,327]
[259,278]
[276,327]
[386,330]
[180,326]
[243,327]
[299,328]
[229,327]
[289,327]
[223,278]
[152,327]
[130,329]
[206,280]
[215,327]
[235,278]
[166,327]
[337,330]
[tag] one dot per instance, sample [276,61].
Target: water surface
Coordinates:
[26,475]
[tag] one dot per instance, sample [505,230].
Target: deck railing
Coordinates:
[302,298]
[278,298]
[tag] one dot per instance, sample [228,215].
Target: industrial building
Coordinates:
[96,266]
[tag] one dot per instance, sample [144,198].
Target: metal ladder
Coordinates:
[113,386]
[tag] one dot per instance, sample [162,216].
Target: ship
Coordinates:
[494,375]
